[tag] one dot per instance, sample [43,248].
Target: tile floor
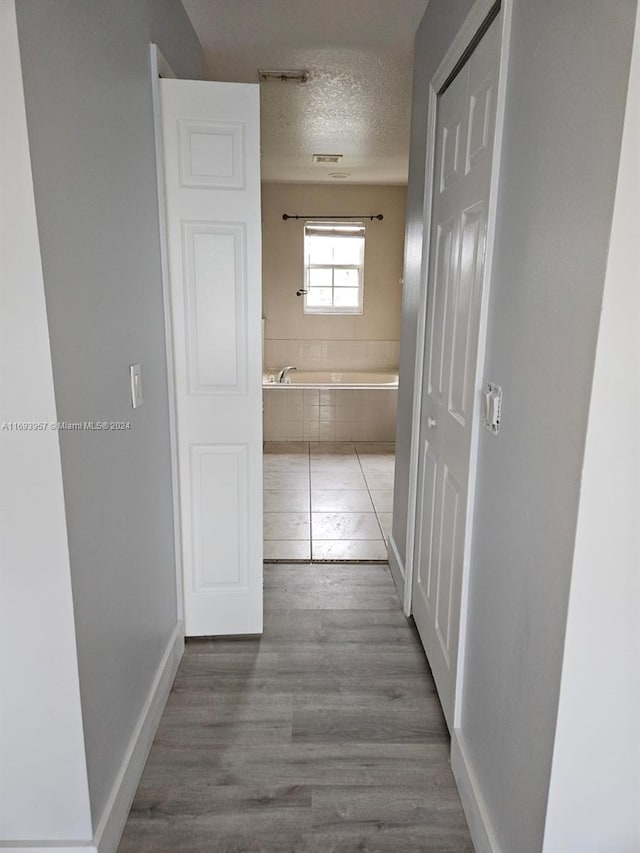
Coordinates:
[327,501]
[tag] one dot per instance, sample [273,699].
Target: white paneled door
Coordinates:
[210,134]
[465,123]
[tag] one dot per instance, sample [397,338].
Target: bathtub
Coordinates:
[330,405]
[324,379]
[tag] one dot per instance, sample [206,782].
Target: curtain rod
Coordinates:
[286,216]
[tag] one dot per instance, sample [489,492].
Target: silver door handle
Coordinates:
[431,422]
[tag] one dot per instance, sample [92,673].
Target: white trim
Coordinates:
[478,14]
[396,566]
[461,42]
[114,816]
[475,809]
[412,506]
[161,68]
[43,847]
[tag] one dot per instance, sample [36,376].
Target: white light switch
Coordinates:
[135,371]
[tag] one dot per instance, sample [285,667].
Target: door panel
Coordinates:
[466,310]
[465,125]
[444,275]
[216,307]
[212,180]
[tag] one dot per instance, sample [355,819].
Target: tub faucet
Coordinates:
[284,372]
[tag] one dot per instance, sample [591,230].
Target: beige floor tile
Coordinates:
[343,519]
[344,525]
[375,447]
[286,500]
[287,549]
[286,525]
[285,464]
[377,464]
[321,481]
[277,480]
[382,500]
[379,482]
[386,520]
[335,500]
[349,549]
[320,448]
[335,464]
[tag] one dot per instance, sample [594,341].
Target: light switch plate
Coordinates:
[135,372]
[492,407]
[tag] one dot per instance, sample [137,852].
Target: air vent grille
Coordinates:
[327,159]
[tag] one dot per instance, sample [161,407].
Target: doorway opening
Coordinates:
[330,380]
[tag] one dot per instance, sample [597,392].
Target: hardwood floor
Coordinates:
[323,736]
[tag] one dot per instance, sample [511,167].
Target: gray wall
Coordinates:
[565,102]
[89,112]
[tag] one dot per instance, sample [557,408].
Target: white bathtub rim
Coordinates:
[311,379]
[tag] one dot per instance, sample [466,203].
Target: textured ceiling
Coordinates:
[357,101]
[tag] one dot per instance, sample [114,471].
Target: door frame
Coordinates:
[161,68]
[463,40]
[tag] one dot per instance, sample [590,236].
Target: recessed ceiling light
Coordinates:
[295,75]
[339,175]
[327,159]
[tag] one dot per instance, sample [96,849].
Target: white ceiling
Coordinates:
[357,101]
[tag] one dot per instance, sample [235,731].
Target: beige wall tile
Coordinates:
[328,415]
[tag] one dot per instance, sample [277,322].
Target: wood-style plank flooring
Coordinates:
[323,736]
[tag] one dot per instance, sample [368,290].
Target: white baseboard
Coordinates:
[111,824]
[43,847]
[397,567]
[475,809]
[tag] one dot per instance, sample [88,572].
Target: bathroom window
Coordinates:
[333,267]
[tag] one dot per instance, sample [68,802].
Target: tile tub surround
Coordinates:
[327,501]
[318,414]
[332,355]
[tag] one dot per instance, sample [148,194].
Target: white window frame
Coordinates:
[328,227]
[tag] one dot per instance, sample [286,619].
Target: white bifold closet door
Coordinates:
[210,136]
[465,130]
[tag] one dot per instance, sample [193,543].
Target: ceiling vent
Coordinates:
[327,159]
[296,75]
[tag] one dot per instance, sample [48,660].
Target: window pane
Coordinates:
[334,262]
[346,278]
[319,277]
[348,250]
[319,297]
[346,297]
[319,250]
